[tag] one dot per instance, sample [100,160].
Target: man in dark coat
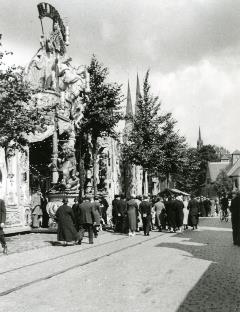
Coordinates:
[114,209]
[121,212]
[2,223]
[67,232]
[171,214]
[75,209]
[145,209]
[87,219]
[235,211]
[193,207]
[179,212]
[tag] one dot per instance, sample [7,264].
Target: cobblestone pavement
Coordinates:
[190,272]
[24,242]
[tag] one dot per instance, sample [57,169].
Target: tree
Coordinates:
[187,178]
[102,112]
[153,142]
[20,114]
[223,184]
[206,153]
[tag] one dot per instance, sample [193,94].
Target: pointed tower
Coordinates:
[129,113]
[199,141]
[138,94]
[129,109]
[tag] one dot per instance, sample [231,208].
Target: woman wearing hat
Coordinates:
[67,233]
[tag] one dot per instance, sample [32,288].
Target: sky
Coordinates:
[192,48]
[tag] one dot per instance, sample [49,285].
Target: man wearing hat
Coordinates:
[235,212]
[87,218]
[67,232]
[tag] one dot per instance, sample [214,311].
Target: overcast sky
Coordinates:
[192,48]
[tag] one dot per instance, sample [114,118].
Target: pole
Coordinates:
[55,133]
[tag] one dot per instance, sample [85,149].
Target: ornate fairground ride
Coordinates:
[62,88]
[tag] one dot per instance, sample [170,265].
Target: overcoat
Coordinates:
[65,219]
[235,214]
[86,213]
[2,214]
[171,213]
[178,204]
[193,207]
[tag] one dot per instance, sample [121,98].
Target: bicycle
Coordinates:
[223,215]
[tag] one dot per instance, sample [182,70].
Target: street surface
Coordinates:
[194,271]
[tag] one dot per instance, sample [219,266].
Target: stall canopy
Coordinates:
[168,192]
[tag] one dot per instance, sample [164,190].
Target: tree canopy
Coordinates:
[20,114]
[153,142]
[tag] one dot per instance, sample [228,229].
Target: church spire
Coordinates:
[138,94]
[199,141]
[129,109]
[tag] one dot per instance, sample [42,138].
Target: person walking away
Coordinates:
[193,207]
[97,214]
[66,233]
[105,206]
[202,207]
[121,211]
[146,214]
[158,207]
[75,209]
[2,224]
[235,217]
[114,209]
[179,213]
[207,205]
[224,205]
[171,214]
[185,213]
[87,219]
[132,217]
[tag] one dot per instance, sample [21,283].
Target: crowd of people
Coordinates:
[173,214]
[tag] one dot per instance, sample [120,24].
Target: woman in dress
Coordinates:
[132,209]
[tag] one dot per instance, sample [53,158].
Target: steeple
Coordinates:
[129,109]
[129,113]
[199,141]
[138,94]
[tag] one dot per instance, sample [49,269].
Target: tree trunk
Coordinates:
[94,157]
[145,189]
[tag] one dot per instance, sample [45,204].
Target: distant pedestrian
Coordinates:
[158,207]
[185,213]
[97,213]
[75,209]
[121,215]
[66,233]
[87,219]
[132,215]
[105,205]
[193,207]
[178,204]
[171,214]
[2,224]
[114,209]
[146,214]
[235,215]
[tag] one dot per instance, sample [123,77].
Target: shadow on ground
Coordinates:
[219,287]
